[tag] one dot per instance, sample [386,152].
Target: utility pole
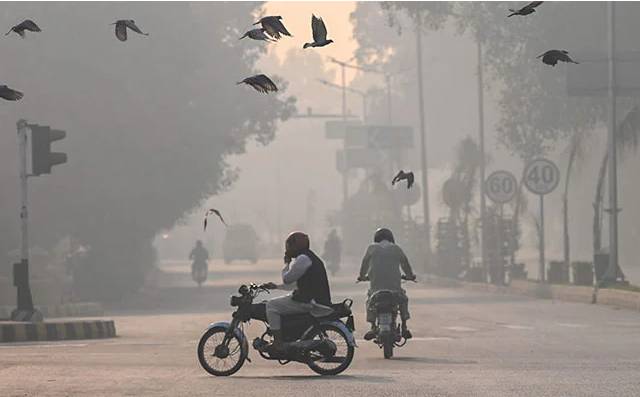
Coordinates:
[345,180]
[423,149]
[387,81]
[612,270]
[483,202]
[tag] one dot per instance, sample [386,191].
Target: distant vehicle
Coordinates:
[240,242]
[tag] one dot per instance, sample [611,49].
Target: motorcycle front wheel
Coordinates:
[218,359]
[340,360]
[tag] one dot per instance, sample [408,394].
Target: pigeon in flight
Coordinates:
[408,176]
[258,34]
[260,83]
[552,57]
[27,24]
[319,33]
[9,94]
[213,211]
[121,28]
[526,10]
[273,26]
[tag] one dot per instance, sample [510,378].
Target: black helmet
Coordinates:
[383,234]
[296,243]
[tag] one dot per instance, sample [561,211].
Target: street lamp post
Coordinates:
[362,94]
[423,149]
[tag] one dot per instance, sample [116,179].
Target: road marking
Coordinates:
[515,326]
[572,325]
[460,329]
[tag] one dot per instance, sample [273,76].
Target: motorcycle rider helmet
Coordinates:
[383,234]
[296,243]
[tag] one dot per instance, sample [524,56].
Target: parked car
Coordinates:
[240,242]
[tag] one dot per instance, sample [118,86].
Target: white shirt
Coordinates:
[293,270]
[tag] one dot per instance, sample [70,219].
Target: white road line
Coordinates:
[572,325]
[460,329]
[515,326]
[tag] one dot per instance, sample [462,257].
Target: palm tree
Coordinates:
[628,137]
[576,153]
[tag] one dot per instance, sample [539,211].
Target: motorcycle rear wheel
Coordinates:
[344,350]
[237,353]
[387,348]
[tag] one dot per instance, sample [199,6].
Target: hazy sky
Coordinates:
[297,18]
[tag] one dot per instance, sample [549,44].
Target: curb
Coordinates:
[565,293]
[52,331]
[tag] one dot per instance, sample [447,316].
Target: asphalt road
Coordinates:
[466,344]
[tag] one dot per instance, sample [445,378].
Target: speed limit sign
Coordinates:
[541,176]
[501,186]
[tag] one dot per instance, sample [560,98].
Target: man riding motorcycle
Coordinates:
[304,272]
[333,251]
[381,265]
[200,256]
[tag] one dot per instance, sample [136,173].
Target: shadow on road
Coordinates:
[427,360]
[364,378]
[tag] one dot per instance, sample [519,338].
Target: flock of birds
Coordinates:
[271,30]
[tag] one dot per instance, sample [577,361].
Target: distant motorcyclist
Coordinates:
[304,272]
[381,264]
[333,251]
[199,267]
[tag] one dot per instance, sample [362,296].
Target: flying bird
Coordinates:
[552,57]
[9,94]
[408,176]
[213,211]
[258,34]
[27,24]
[121,28]
[273,26]
[319,33]
[260,83]
[526,10]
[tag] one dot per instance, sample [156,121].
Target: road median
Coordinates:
[11,331]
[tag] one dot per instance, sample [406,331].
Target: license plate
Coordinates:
[384,319]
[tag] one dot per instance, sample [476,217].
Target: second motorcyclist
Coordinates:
[381,265]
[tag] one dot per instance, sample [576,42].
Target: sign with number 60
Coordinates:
[541,176]
[501,186]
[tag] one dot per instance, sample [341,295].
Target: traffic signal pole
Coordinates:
[25,310]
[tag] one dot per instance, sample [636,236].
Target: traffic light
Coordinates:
[42,158]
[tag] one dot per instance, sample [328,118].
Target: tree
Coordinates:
[149,123]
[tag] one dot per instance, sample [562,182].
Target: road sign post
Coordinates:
[500,187]
[541,177]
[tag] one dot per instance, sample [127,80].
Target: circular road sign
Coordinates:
[541,176]
[501,186]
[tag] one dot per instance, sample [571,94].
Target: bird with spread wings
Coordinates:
[213,211]
[260,83]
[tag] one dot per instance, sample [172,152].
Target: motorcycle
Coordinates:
[199,272]
[325,344]
[386,304]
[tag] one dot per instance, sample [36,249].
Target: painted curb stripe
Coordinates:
[23,332]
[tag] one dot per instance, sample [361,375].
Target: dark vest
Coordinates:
[314,283]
